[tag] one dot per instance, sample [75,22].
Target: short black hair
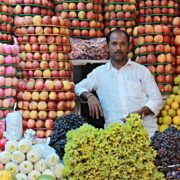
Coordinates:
[118,31]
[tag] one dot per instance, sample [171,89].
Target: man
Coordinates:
[122,86]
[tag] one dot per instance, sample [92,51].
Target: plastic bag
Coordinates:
[14,127]
[92,49]
[45,150]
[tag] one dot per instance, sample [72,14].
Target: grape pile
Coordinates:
[122,151]
[62,126]
[173,175]
[167,145]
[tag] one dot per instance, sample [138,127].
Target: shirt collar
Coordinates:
[109,64]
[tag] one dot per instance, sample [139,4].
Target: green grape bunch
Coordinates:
[122,151]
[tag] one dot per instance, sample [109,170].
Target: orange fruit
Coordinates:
[164,112]
[177,98]
[163,127]
[169,101]
[166,107]
[176,120]
[175,105]
[172,112]
[167,120]
[178,112]
[159,121]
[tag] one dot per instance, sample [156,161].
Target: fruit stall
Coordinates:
[46,132]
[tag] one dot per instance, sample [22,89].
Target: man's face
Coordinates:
[118,46]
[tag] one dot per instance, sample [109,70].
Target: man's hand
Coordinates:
[135,112]
[142,112]
[95,109]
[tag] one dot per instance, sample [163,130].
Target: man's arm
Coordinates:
[155,100]
[84,89]
[95,109]
[154,103]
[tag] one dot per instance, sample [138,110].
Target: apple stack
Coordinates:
[153,50]
[157,11]
[6,22]
[120,15]
[85,18]
[176,32]
[154,41]
[33,7]
[8,81]
[45,72]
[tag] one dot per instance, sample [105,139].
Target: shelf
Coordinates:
[85,62]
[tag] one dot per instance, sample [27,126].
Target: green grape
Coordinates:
[122,151]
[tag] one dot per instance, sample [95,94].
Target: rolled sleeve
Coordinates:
[154,96]
[154,106]
[87,85]
[79,90]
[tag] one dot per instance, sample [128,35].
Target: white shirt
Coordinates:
[123,91]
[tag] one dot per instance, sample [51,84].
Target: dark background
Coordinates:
[79,73]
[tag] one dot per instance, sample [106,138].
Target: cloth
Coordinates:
[123,91]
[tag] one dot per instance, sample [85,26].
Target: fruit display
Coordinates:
[153,49]
[6,22]
[154,41]
[45,71]
[120,15]
[156,11]
[8,80]
[122,151]
[26,162]
[170,114]
[84,19]
[33,7]
[176,32]
[95,48]
[62,126]
[167,147]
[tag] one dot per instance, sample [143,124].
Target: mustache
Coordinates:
[118,52]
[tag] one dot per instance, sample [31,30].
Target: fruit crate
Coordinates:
[171,171]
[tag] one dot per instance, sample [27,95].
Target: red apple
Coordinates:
[46,20]
[31,124]
[160,78]
[40,134]
[169,69]
[167,88]
[151,58]
[49,123]
[169,78]
[161,58]
[48,133]
[40,124]
[52,105]
[152,69]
